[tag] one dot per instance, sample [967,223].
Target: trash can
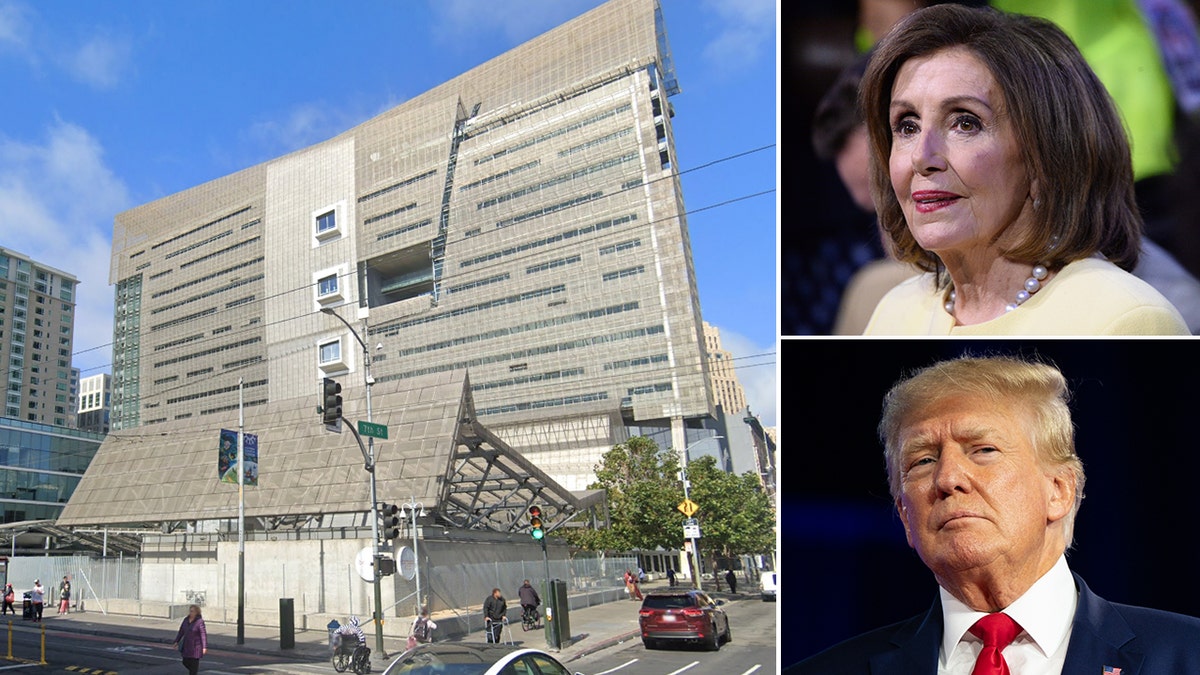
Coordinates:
[287,623]
[27,606]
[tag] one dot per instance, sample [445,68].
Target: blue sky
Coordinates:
[111,104]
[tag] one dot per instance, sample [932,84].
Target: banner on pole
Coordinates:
[227,458]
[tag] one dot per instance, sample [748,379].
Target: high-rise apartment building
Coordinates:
[37,318]
[722,374]
[523,222]
[95,403]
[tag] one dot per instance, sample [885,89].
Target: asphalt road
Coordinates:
[77,654]
[752,651]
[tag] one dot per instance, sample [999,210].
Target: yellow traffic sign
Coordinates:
[688,507]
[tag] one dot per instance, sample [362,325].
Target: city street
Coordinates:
[751,651]
[73,654]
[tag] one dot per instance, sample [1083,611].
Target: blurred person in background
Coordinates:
[1000,168]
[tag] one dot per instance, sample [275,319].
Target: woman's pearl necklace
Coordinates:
[1032,285]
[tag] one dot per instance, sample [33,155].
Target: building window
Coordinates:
[330,355]
[326,222]
[327,285]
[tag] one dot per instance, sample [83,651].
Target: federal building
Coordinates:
[522,222]
[508,253]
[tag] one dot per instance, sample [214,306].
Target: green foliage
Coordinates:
[643,489]
[735,514]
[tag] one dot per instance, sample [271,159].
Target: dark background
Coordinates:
[1136,408]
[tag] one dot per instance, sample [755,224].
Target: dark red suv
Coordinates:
[683,615]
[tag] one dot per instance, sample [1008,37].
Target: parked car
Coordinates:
[684,615]
[770,585]
[461,659]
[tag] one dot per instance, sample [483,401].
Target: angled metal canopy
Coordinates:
[491,486]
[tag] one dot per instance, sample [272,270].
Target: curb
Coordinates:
[600,646]
[166,641]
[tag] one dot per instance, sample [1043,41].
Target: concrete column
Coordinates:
[679,439]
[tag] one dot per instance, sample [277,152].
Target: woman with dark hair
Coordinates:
[1000,168]
[192,640]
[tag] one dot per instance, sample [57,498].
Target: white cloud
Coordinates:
[101,61]
[458,21]
[13,26]
[57,202]
[755,368]
[747,31]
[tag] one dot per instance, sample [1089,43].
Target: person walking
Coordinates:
[731,579]
[192,640]
[64,596]
[495,609]
[671,576]
[9,597]
[37,597]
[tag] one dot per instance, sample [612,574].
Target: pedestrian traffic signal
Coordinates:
[331,402]
[389,521]
[535,523]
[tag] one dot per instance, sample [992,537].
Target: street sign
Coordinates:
[688,507]
[373,430]
[408,563]
[691,531]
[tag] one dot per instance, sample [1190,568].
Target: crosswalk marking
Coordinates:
[756,667]
[613,670]
[90,671]
[689,666]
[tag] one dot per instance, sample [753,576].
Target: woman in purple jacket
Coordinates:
[192,640]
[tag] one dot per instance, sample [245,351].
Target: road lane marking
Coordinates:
[756,667]
[19,665]
[689,666]
[613,670]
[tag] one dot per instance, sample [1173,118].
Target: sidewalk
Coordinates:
[593,628]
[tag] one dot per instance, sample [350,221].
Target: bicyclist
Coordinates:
[529,603]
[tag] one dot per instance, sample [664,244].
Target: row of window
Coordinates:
[180,341]
[503,174]
[553,239]
[222,289]
[196,245]
[636,362]
[552,264]
[207,277]
[394,327]
[219,252]
[595,141]
[552,208]
[581,343]
[558,180]
[402,184]
[621,274]
[521,328]
[587,121]
[486,281]
[404,230]
[193,231]
[527,379]
[387,214]
[215,392]
[621,246]
[544,403]
[208,352]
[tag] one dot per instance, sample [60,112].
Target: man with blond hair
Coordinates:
[982,467]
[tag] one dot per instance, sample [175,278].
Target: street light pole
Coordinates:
[416,509]
[377,614]
[687,484]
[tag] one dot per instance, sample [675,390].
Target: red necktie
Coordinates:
[997,631]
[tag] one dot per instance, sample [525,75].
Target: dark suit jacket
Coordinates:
[1137,640]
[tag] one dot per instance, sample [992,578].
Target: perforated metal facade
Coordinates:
[522,221]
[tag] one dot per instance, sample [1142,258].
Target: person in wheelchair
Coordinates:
[349,640]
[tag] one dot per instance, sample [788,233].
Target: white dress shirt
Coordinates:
[1045,613]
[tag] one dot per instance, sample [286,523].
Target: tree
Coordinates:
[735,513]
[643,490]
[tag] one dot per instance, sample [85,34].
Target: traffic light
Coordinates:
[331,402]
[389,521]
[387,566]
[535,523]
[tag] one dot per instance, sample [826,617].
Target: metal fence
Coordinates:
[467,584]
[92,579]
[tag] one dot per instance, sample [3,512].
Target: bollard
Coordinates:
[43,661]
[287,623]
